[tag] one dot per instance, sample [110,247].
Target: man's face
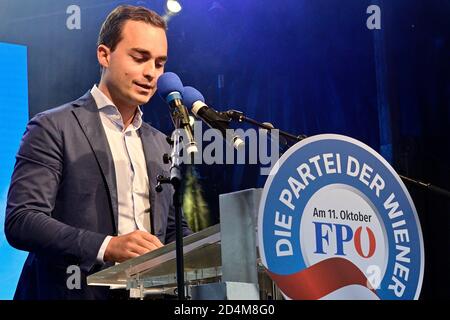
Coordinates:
[132,69]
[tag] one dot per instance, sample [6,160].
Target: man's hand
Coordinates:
[130,245]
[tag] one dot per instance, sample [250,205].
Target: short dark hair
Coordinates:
[111,30]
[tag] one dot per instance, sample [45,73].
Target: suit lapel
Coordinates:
[151,159]
[89,119]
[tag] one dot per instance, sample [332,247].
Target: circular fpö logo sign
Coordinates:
[336,222]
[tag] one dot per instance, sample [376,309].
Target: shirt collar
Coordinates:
[106,106]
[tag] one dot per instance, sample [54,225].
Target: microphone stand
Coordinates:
[175,158]
[427,186]
[240,117]
[175,181]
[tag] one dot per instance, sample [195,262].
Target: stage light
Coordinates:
[173,6]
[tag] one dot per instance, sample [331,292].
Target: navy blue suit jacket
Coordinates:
[62,200]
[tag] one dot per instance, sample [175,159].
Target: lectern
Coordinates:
[220,262]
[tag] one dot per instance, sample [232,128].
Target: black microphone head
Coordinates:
[169,83]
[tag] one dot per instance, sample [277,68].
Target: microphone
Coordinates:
[170,88]
[214,119]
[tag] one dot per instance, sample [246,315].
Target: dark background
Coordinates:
[308,67]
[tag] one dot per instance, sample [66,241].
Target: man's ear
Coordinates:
[103,54]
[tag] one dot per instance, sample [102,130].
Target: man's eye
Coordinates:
[160,64]
[138,59]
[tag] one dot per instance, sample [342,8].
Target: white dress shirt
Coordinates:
[130,168]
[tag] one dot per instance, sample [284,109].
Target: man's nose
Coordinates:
[150,71]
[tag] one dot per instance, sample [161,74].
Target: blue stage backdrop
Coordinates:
[307,66]
[13,119]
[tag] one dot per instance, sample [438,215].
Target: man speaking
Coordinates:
[82,192]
